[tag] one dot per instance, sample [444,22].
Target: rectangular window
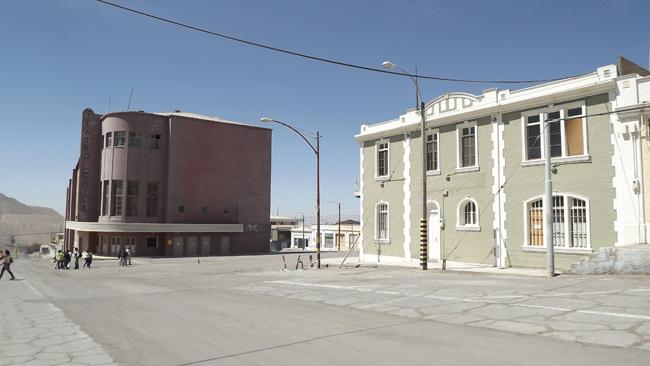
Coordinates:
[468,147]
[155,141]
[556,134]
[105,199]
[567,133]
[120,138]
[109,139]
[574,131]
[432,152]
[329,240]
[152,242]
[135,139]
[132,196]
[382,159]
[152,199]
[382,222]
[352,238]
[181,209]
[533,137]
[116,198]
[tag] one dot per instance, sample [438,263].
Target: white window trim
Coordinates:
[434,131]
[377,176]
[528,248]
[460,213]
[562,108]
[459,147]
[376,213]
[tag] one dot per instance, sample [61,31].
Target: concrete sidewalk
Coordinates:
[436,266]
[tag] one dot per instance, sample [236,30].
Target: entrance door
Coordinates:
[225,245]
[434,234]
[178,246]
[192,245]
[205,245]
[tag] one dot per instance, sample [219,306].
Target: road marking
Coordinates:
[446,298]
[620,315]
[541,307]
[388,292]
[483,299]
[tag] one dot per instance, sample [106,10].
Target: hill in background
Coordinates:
[30,224]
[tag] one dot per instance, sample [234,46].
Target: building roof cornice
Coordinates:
[457,107]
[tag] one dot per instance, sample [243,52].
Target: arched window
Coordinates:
[570,223]
[381,228]
[470,213]
[468,219]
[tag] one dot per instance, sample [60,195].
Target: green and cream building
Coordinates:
[485,173]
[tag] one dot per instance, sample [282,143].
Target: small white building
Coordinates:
[305,238]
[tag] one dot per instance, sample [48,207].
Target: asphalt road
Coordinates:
[246,311]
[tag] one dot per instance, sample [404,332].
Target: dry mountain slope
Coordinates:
[39,223]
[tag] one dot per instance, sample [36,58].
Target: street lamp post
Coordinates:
[317,152]
[423,221]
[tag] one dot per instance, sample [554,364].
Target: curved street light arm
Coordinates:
[298,132]
[413,79]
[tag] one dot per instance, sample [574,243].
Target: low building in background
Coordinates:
[169,184]
[281,231]
[331,238]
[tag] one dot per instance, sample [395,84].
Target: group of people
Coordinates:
[63,258]
[6,260]
[125,257]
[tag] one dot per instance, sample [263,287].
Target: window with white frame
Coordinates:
[467,143]
[381,232]
[432,151]
[468,215]
[151,242]
[570,223]
[382,158]
[568,132]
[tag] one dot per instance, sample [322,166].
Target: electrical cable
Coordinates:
[327,60]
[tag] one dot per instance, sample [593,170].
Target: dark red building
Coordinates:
[175,184]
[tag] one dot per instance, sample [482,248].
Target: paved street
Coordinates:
[245,310]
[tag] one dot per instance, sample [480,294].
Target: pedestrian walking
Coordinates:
[128,255]
[76,256]
[66,259]
[60,258]
[6,264]
[84,255]
[90,258]
[122,256]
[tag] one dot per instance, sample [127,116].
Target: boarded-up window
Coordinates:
[574,137]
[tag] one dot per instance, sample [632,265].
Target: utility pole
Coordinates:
[303,232]
[318,199]
[338,242]
[547,203]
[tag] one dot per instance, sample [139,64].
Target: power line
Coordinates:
[322,59]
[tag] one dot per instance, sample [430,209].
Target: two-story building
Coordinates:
[484,168]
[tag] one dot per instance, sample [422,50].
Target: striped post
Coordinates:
[423,244]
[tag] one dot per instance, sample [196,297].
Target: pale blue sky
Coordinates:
[59,57]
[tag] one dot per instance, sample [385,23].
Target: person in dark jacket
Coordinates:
[66,259]
[6,264]
[76,256]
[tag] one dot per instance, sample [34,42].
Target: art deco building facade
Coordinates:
[175,184]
